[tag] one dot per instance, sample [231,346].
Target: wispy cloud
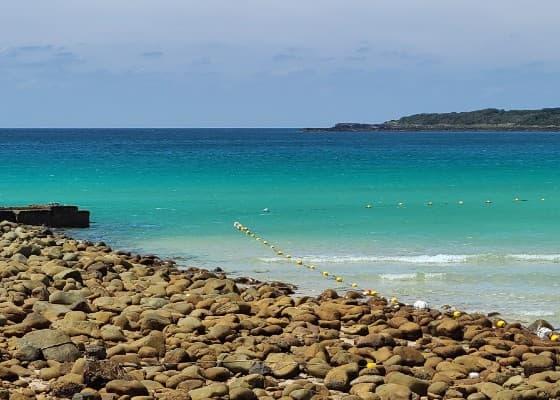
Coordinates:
[37,56]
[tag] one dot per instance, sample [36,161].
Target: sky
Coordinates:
[270,63]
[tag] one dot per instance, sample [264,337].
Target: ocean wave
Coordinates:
[420,259]
[535,257]
[413,276]
[425,259]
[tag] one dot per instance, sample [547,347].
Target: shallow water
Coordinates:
[177,193]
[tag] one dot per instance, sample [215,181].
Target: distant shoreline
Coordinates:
[545,120]
[434,129]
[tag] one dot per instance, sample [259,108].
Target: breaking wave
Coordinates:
[426,259]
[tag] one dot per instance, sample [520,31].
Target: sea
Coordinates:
[465,219]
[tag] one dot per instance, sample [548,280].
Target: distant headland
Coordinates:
[490,119]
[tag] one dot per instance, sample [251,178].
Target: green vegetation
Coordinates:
[490,119]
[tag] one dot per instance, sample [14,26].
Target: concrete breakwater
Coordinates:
[79,320]
[53,215]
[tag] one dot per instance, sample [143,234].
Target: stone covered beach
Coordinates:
[81,321]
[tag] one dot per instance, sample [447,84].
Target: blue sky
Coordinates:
[250,63]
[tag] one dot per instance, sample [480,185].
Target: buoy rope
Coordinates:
[402,204]
[300,262]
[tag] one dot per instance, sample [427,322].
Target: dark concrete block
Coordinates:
[7,215]
[56,216]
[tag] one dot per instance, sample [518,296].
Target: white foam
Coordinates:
[420,259]
[535,257]
[413,276]
[425,258]
[398,277]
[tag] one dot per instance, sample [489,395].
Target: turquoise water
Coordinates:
[178,192]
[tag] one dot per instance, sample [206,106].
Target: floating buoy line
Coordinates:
[430,203]
[300,262]
[420,304]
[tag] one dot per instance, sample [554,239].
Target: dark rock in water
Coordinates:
[540,323]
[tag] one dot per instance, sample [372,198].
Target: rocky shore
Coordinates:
[80,321]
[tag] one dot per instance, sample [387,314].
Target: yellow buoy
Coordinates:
[325,273]
[258,239]
[430,203]
[457,314]
[394,300]
[516,199]
[542,199]
[299,262]
[311,267]
[279,252]
[354,285]
[488,201]
[288,256]
[371,365]
[501,323]
[461,202]
[369,206]
[555,338]
[339,279]
[400,204]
